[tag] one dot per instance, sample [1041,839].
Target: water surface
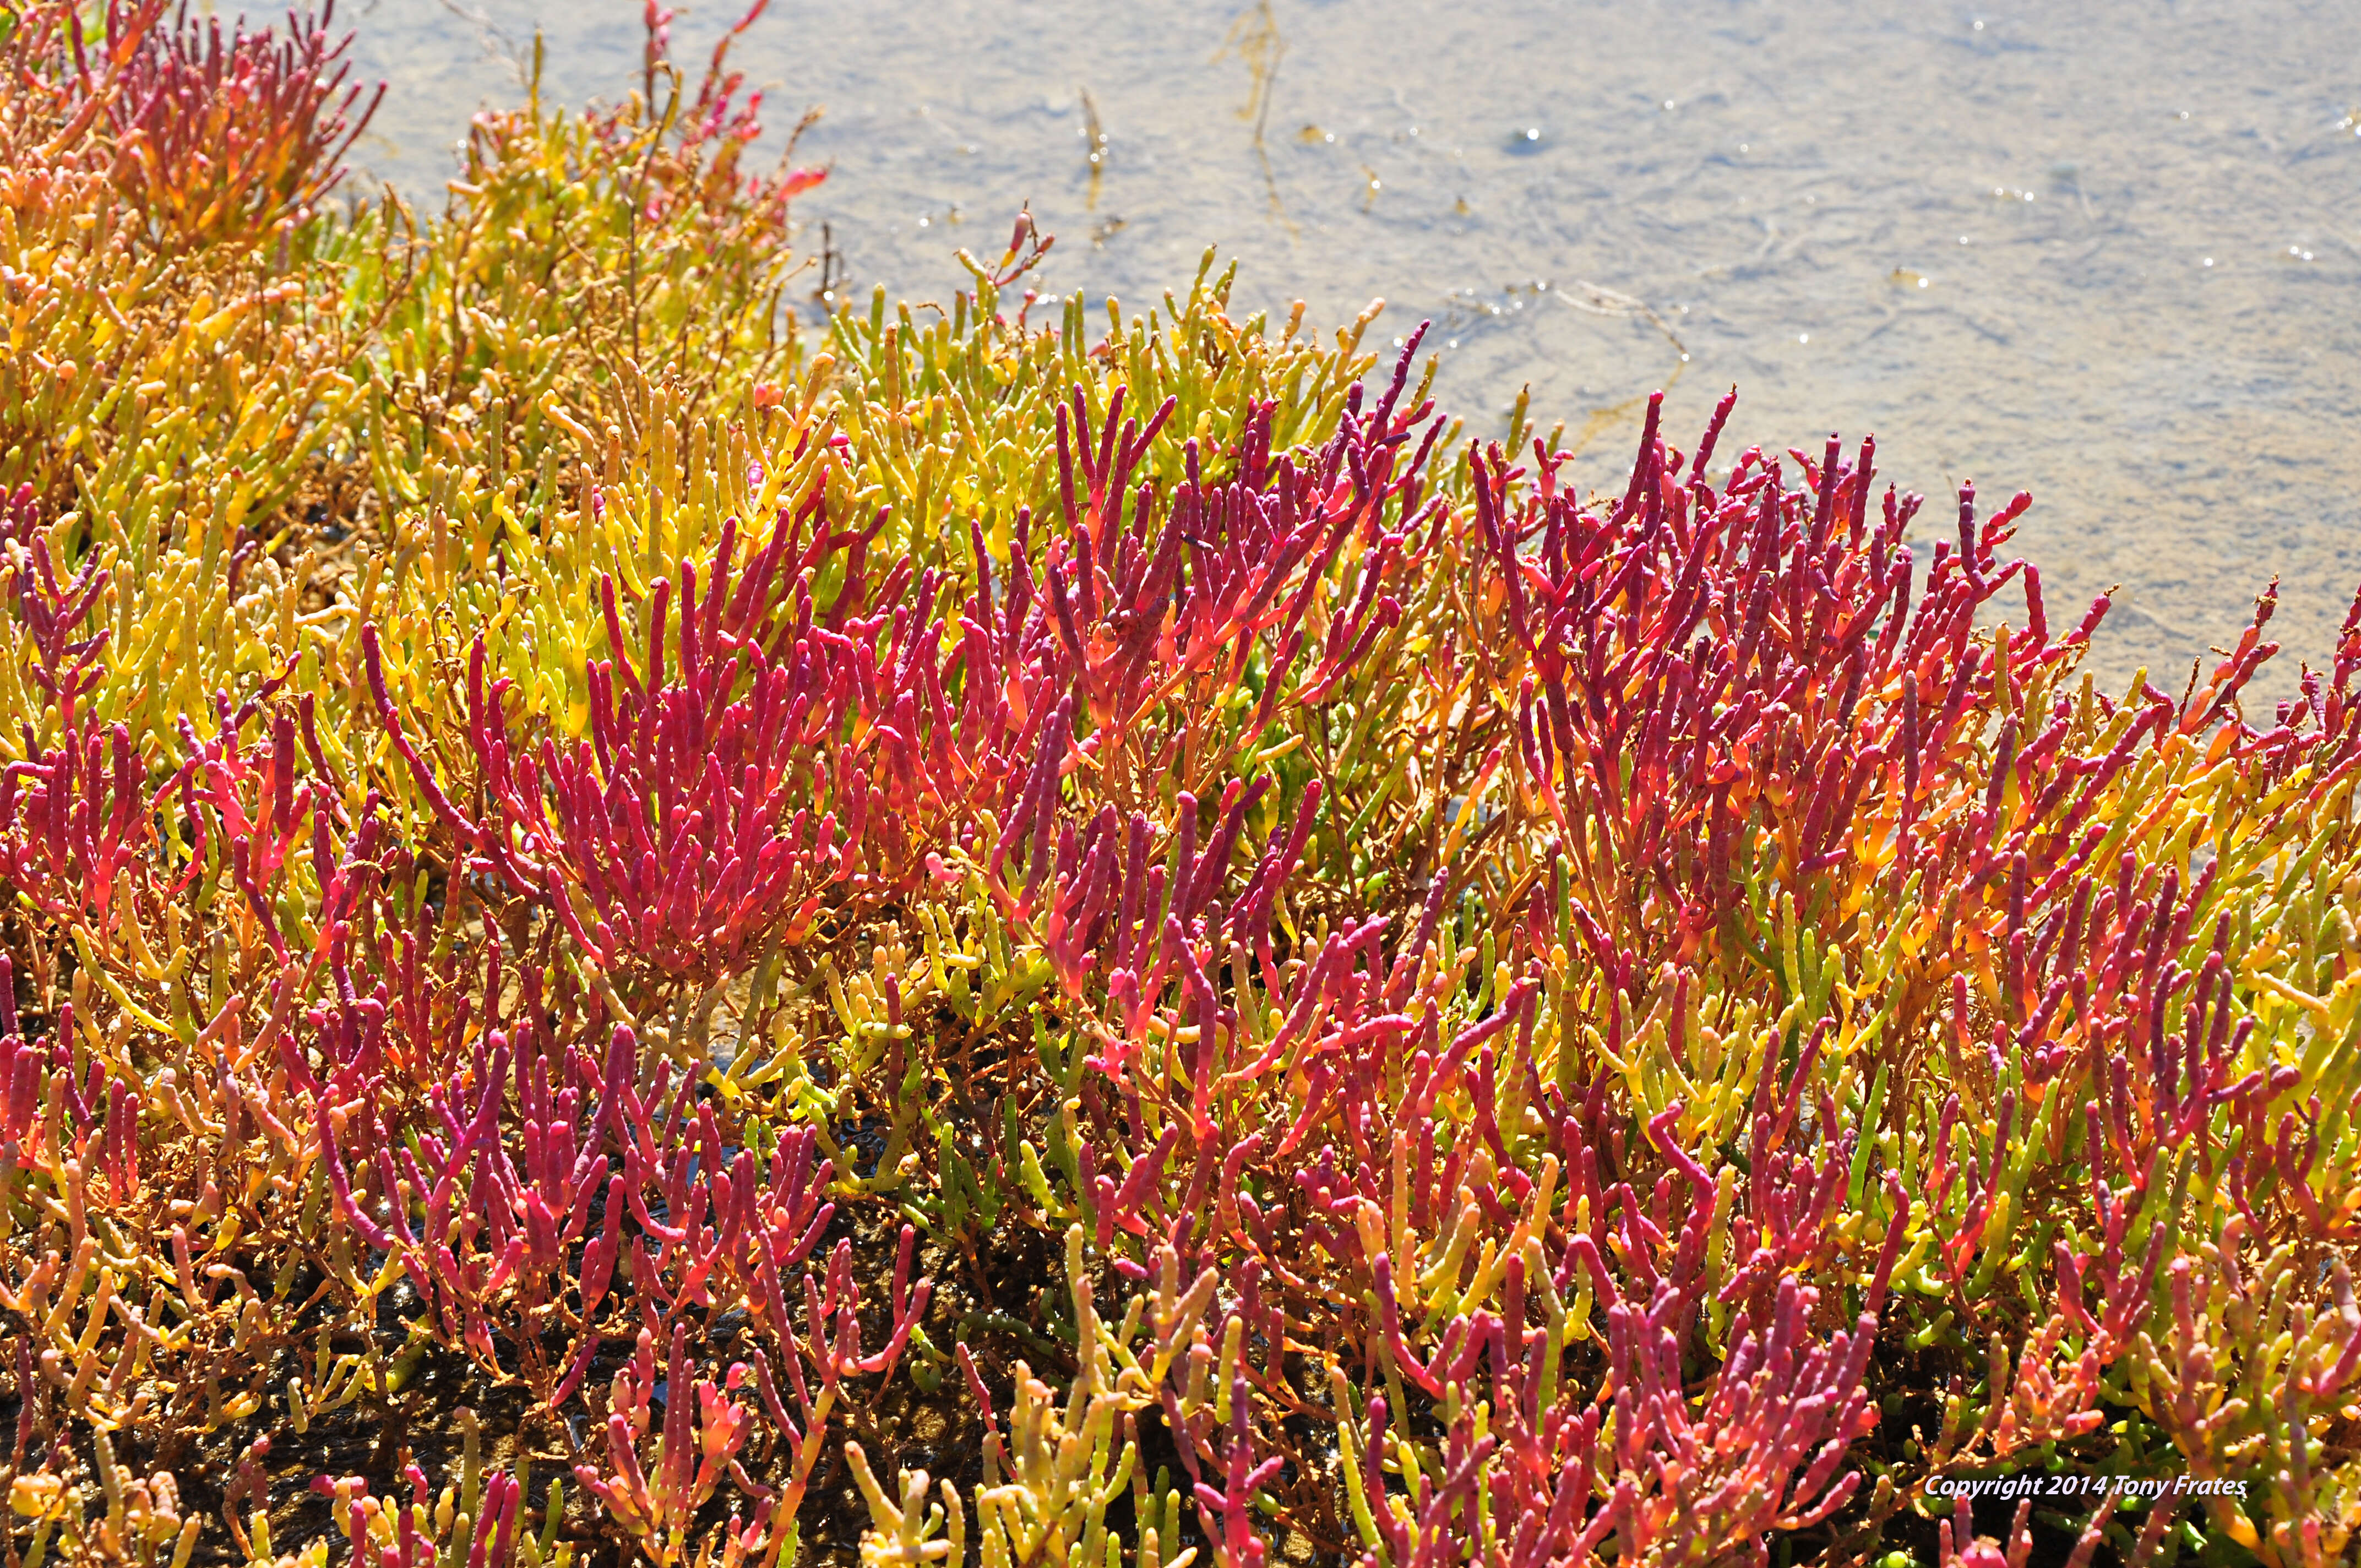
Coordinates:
[2110,253]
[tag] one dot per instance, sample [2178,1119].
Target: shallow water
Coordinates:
[2110,253]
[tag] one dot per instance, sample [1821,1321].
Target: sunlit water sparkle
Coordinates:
[2110,253]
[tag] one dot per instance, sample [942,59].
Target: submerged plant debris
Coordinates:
[632,936]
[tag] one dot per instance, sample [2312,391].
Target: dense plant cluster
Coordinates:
[631,938]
